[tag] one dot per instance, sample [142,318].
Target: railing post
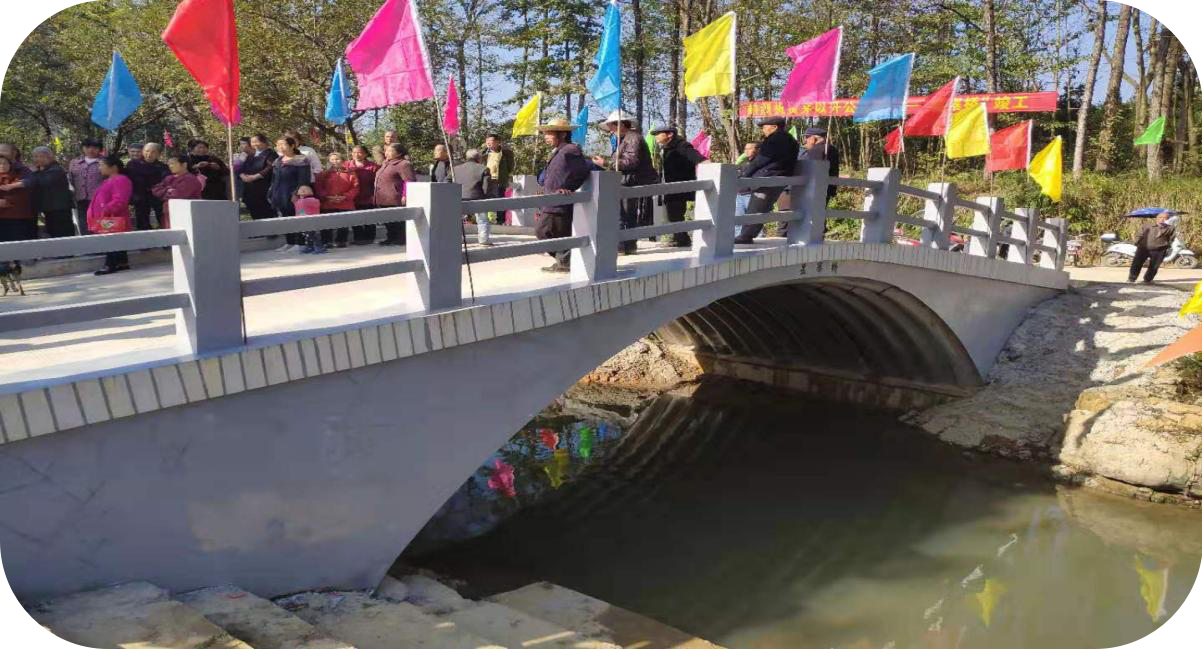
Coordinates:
[435,238]
[942,213]
[809,203]
[1056,237]
[718,206]
[882,203]
[987,221]
[525,185]
[597,218]
[209,269]
[1024,230]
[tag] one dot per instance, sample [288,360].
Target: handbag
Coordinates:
[109,224]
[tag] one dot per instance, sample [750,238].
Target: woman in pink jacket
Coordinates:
[109,210]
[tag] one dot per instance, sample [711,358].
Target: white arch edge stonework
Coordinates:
[57,406]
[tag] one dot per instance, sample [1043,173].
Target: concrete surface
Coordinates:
[255,620]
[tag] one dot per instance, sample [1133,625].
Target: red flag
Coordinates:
[932,117]
[893,141]
[204,38]
[1010,148]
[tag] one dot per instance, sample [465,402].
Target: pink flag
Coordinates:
[701,142]
[815,70]
[450,114]
[167,140]
[390,58]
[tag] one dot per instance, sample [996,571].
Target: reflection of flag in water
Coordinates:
[502,479]
[585,445]
[549,437]
[557,469]
[1153,586]
[988,598]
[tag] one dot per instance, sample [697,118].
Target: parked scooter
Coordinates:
[1120,254]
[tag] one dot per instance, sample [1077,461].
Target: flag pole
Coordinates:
[229,147]
[446,141]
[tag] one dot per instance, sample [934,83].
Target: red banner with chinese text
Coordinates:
[1038,102]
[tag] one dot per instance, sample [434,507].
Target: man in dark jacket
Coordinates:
[564,173]
[52,196]
[815,147]
[476,182]
[634,162]
[256,178]
[1151,244]
[678,162]
[145,172]
[777,157]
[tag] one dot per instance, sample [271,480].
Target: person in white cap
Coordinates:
[634,162]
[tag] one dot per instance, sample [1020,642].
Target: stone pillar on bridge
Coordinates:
[524,185]
[436,238]
[942,213]
[809,203]
[597,218]
[1024,231]
[208,268]
[987,221]
[1054,237]
[716,205]
[877,228]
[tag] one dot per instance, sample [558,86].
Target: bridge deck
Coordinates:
[67,350]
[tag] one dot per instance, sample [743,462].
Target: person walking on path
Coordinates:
[145,172]
[777,157]
[290,171]
[256,178]
[475,179]
[51,193]
[108,212]
[564,173]
[337,188]
[499,161]
[179,184]
[440,169]
[1151,244]
[390,189]
[679,160]
[634,162]
[365,170]
[84,174]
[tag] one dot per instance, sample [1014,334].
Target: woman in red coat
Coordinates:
[337,187]
[365,170]
[182,184]
[18,221]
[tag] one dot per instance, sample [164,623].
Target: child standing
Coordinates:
[306,204]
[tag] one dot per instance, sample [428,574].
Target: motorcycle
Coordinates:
[1120,254]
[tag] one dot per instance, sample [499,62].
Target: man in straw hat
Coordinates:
[777,157]
[566,170]
[634,162]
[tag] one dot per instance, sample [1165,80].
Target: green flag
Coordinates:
[1154,134]
[793,131]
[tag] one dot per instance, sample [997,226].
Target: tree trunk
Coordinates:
[1141,88]
[1191,125]
[1167,52]
[682,100]
[674,85]
[1181,110]
[1091,77]
[480,82]
[1110,108]
[464,96]
[991,75]
[636,11]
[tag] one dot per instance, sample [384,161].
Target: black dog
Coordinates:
[10,277]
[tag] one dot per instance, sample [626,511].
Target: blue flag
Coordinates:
[580,133]
[606,85]
[888,90]
[119,96]
[337,109]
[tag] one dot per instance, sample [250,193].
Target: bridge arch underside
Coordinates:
[850,339]
[322,482]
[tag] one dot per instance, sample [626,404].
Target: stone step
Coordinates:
[519,630]
[370,623]
[257,621]
[596,619]
[136,614]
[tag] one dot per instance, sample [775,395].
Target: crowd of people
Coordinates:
[103,192]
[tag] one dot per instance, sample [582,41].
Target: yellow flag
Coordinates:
[1194,304]
[58,145]
[1046,169]
[527,117]
[709,59]
[968,134]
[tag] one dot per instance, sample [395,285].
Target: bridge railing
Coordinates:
[207,272]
